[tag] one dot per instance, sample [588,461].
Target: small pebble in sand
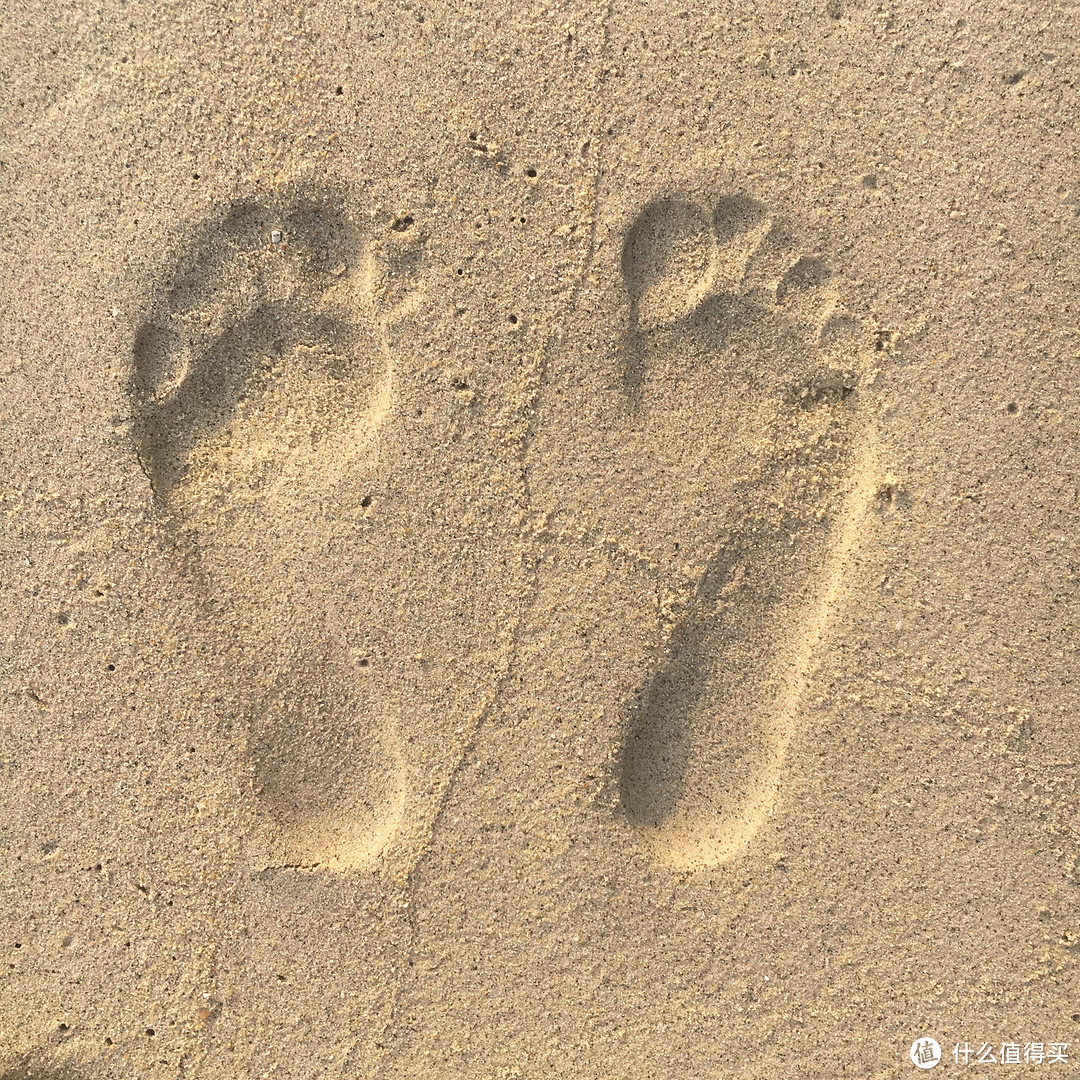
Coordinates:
[275,237]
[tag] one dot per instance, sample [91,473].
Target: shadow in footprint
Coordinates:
[661,736]
[674,273]
[240,363]
[735,214]
[31,1068]
[667,258]
[726,292]
[259,386]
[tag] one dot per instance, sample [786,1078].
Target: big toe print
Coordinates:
[259,390]
[741,380]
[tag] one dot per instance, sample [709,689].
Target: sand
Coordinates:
[538,540]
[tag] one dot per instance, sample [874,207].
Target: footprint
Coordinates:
[743,373]
[265,355]
[259,388]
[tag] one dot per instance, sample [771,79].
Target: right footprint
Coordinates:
[741,374]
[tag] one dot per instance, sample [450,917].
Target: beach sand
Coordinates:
[538,540]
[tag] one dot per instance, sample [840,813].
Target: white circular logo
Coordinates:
[925,1053]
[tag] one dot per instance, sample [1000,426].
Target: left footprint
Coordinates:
[259,387]
[261,353]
